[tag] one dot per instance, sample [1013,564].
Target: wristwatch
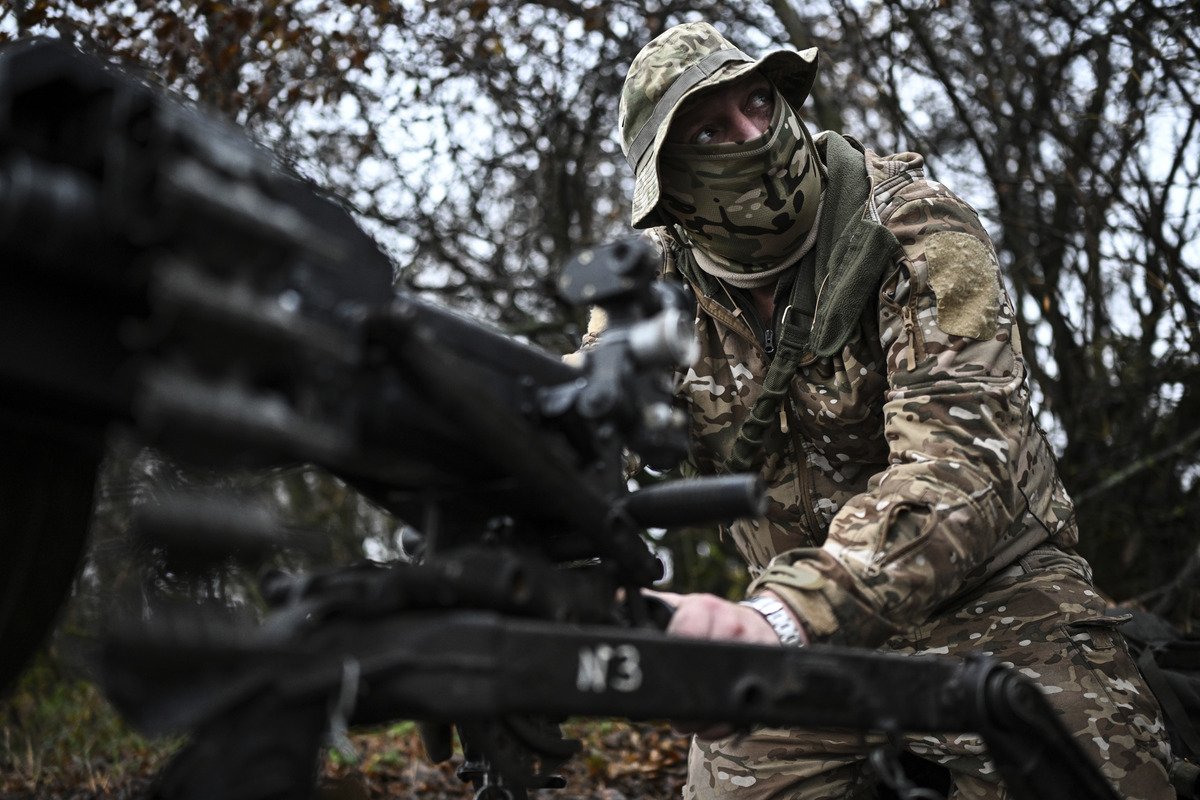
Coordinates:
[779,618]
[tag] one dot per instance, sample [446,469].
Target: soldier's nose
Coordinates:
[745,128]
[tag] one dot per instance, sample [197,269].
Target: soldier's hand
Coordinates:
[706,616]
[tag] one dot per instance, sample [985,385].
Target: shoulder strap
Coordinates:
[791,351]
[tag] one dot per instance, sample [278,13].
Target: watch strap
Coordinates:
[778,617]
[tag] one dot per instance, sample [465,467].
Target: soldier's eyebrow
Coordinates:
[692,111]
[693,103]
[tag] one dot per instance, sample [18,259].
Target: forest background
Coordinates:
[476,140]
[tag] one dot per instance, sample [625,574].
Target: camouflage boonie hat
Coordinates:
[675,65]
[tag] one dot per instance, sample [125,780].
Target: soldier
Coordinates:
[861,354]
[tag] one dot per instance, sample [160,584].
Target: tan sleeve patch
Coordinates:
[965,278]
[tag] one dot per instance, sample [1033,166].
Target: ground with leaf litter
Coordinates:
[618,760]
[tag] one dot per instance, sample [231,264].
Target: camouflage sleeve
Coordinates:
[938,518]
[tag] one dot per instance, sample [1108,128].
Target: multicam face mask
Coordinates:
[747,206]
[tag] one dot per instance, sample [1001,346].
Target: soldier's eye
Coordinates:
[704,135]
[762,97]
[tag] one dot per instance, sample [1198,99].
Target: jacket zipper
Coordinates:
[916,345]
[735,320]
[803,471]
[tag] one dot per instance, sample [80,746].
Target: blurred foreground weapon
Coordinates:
[161,273]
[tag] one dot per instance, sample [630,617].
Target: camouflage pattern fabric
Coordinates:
[704,189]
[905,477]
[906,469]
[680,62]
[1041,617]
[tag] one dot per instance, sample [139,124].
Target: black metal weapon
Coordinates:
[163,273]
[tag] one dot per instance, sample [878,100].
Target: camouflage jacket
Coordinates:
[906,469]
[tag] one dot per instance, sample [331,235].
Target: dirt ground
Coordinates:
[618,760]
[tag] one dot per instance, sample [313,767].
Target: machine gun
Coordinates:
[165,275]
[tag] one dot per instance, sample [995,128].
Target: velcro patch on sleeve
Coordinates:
[965,279]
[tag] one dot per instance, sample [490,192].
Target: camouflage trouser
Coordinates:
[1042,617]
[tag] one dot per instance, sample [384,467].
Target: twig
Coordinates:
[1122,475]
[1166,596]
